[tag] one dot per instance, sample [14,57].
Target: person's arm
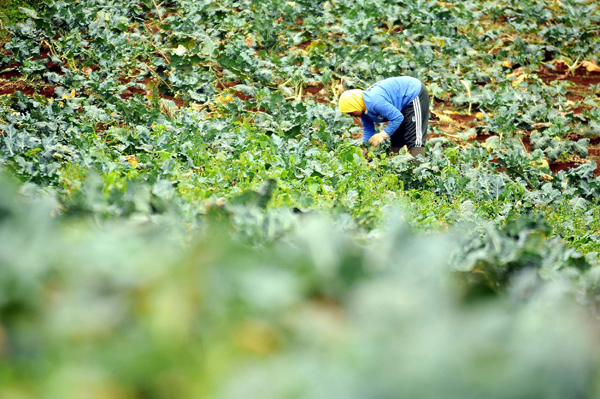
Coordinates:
[368,128]
[391,113]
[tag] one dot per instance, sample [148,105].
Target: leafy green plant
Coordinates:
[194,218]
[127,308]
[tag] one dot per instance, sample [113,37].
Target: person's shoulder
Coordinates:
[374,97]
[405,78]
[382,105]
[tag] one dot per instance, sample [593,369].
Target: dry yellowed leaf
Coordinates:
[519,80]
[516,73]
[132,160]
[590,66]
[250,40]
[542,163]
[560,63]
[445,118]
[257,336]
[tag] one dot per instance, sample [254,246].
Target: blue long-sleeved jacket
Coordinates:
[384,102]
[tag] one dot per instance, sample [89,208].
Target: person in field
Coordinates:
[403,101]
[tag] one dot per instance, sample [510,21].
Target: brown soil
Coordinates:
[575,137]
[151,27]
[458,122]
[397,28]
[463,118]
[101,127]
[225,85]
[254,109]
[56,68]
[527,143]
[313,90]
[10,74]
[574,97]
[595,152]
[499,168]
[317,93]
[44,53]
[304,45]
[581,77]
[579,110]
[481,137]
[9,88]
[178,101]
[242,96]
[558,166]
[47,91]
[229,85]
[595,158]
[131,91]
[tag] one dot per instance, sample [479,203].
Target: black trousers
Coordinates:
[412,132]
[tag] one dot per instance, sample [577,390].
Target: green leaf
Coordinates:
[30,13]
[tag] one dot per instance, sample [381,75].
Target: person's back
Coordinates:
[398,91]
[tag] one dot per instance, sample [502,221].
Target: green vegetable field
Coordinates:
[185,213]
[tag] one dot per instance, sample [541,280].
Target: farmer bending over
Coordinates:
[403,101]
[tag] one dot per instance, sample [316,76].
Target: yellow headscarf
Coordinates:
[352,100]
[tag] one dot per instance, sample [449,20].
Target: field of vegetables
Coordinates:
[184,212]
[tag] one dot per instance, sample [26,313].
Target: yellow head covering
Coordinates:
[352,100]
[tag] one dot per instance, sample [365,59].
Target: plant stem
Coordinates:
[158,11]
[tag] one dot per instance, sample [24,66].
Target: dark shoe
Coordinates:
[417,151]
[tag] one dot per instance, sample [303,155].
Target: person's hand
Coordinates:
[378,138]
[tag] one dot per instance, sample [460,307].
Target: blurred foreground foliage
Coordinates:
[138,308]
